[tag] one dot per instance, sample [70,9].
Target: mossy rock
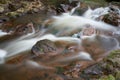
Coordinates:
[4,1]
[118,75]
[109,77]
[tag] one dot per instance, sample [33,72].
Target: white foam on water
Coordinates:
[24,45]
[73,22]
[3,54]
[94,14]
[3,33]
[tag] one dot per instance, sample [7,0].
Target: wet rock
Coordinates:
[72,71]
[24,29]
[94,70]
[14,7]
[89,30]
[20,29]
[45,47]
[60,6]
[112,18]
[108,69]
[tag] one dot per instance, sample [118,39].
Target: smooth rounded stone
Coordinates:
[44,47]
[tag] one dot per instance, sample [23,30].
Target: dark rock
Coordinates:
[94,70]
[91,72]
[44,47]
[112,0]
[113,17]
[60,6]
[14,7]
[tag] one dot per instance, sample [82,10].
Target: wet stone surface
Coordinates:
[113,17]
[46,47]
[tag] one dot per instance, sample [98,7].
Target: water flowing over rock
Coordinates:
[36,41]
[113,17]
[24,29]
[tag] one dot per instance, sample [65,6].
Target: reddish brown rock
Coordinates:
[24,29]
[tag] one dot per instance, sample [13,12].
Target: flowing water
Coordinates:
[2,33]
[65,23]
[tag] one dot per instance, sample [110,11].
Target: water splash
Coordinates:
[88,13]
[3,53]
[3,33]
[94,14]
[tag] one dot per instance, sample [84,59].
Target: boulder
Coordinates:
[46,47]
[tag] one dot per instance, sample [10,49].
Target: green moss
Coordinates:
[118,75]
[114,54]
[96,2]
[111,66]
[41,50]
[5,1]
[109,77]
[60,70]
